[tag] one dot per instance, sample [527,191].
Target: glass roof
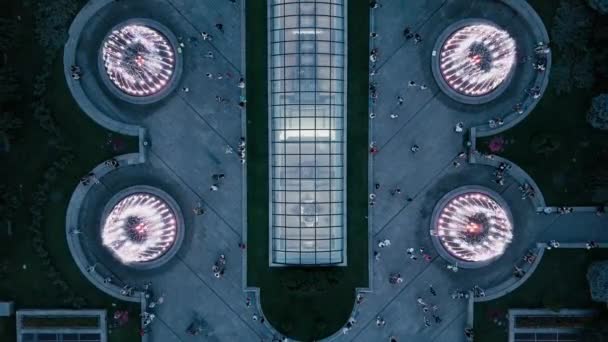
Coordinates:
[307,126]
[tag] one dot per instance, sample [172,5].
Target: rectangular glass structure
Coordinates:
[307,75]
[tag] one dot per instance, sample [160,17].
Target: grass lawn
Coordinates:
[327,302]
[22,170]
[559,282]
[579,150]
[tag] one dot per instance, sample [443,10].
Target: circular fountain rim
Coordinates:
[442,83]
[171,203]
[177,69]
[441,249]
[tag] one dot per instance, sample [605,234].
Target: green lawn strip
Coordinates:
[559,282]
[324,297]
[257,135]
[562,174]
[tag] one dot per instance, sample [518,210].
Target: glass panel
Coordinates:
[307,138]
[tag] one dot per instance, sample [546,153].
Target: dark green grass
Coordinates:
[563,175]
[328,302]
[559,282]
[22,170]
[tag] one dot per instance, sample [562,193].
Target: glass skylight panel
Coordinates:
[307,132]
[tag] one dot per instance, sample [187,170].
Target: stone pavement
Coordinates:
[188,134]
[427,118]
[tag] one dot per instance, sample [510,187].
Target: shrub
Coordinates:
[597,277]
[597,116]
[601,6]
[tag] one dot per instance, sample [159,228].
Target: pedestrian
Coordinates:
[415,148]
[396,191]
[373,35]
[218,176]
[423,87]
[427,323]
[380,322]
[552,244]
[242,246]
[374,4]
[112,162]
[220,27]
[395,278]
[436,318]
[400,100]
[210,55]
[432,290]
[198,210]
[255,317]
[591,244]
[372,115]
[421,302]
[359,299]
[206,36]
[241,83]
[384,243]
[214,187]
[459,127]
[411,84]
[376,255]
[185,89]
[417,38]
[468,332]
[394,115]
[456,163]
[518,272]
[248,302]
[407,31]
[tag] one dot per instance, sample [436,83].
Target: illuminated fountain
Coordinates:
[474,59]
[138,59]
[140,226]
[473,226]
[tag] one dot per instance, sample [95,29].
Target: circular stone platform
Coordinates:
[138,61]
[476,60]
[471,226]
[142,227]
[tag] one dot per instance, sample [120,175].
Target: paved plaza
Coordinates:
[189,135]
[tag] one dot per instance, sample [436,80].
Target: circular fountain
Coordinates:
[474,60]
[471,226]
[142,227]
[139,62]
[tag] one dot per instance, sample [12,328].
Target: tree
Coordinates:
[582,71]
[571,25]
[53,20]
[571,34]
[8,33]
[597,277]
[9,122]
[9,85]
[597,116]
[601,6]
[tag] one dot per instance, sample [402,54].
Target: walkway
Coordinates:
[427,119]
[189,133]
